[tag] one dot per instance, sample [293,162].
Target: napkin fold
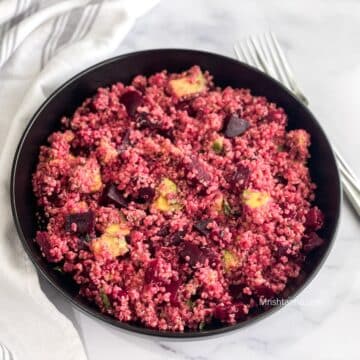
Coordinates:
[42,44]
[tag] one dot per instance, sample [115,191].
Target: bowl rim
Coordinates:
[92,312]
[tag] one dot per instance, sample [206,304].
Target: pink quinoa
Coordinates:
[173,203]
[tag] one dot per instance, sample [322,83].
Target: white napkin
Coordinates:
[42,44]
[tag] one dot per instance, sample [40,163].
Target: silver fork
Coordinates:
[264,52]
[5,354]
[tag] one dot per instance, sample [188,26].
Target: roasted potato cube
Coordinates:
[167,199]
[230,260]
[117,229]
[96,182]
[218,203]
[86,177]
[255,199]
[112,241]
[167,187]
[192,83]
[106,152]
[113,245]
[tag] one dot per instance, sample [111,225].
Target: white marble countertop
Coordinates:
[322,42]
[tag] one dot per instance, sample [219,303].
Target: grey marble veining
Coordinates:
[321,39]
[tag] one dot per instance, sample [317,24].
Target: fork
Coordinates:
[5,354]
[264,52]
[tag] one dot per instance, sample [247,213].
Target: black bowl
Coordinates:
[123,68]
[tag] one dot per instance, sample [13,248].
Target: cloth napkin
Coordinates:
[42,44]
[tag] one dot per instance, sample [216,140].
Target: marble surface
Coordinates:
[321,41]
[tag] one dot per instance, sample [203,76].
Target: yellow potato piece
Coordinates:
[107,152]
[218,204]
[188,85]
[167,186]
[112,241]
[255,199]
[69,135]
[166,201]
[96,182]
[162,204]
[117,229]
[114,245]
[230,260]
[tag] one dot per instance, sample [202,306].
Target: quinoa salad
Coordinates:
[173,203]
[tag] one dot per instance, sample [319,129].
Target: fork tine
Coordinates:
[253,54]
[265,45]
[287,70]
[244,54]
[263,58]
[238,52]
[346,167]
[275,60]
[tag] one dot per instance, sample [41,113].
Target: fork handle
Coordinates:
[350,184]
[348,179]
[351,192]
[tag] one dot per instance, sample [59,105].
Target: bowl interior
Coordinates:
[226,72]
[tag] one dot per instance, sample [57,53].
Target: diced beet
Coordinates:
[55,200]
[150,273]
[236,291]
[146,194]
[131,99]
[240,314]
[85,222]
[221,312]
[178,238]
[167,133]
[173,288]
[234,126]
[164,231]
[186,105]
[211,256]
[121,293]
[282,250]
[281,179]
[314,219]
[192,253]
[312,241]
[265,291]
[202,226]
[239,178]
[199,170]
[143,121]
[84,241]
[112,195]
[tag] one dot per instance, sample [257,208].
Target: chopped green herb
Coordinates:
[59,269]
[87,238]
[226,208]
[217,146]
[190,303]
[105,299]
[280,148]
[202,325]
[122,216]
